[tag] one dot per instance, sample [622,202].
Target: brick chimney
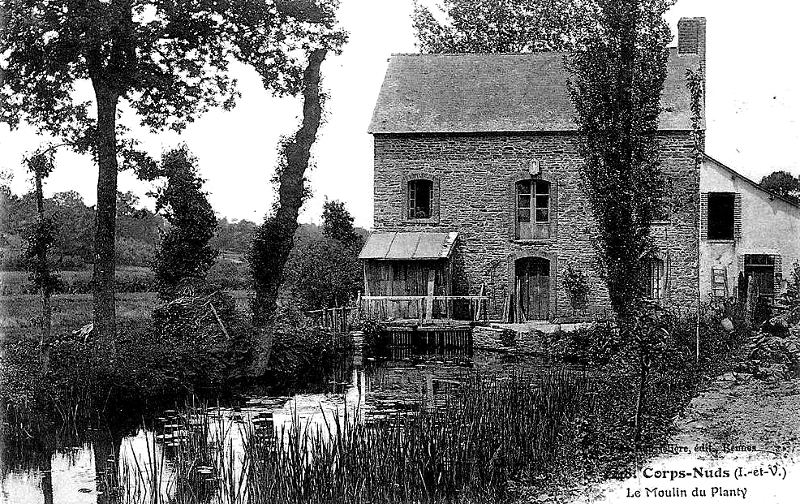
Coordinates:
[692,37]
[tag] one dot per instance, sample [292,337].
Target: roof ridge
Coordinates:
[751,181]
[533,53]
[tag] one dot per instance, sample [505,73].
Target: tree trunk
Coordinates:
[105,213]
[106,449]
[640,401]
[274,240]
[47,477]
[46,322]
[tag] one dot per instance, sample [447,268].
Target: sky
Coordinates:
[752,112]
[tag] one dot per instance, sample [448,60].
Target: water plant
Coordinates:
[491,432]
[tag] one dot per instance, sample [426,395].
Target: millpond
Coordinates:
[72,467]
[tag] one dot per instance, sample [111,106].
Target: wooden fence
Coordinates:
[339,319]
[425,308]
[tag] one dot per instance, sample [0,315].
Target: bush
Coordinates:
[673,378]
[588,346]
[83,380]
[210,342]
[302,355]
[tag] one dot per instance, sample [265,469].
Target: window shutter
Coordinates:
[704,216]
[778,274]
[737,216]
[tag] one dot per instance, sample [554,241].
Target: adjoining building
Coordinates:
[746,232]
[477,189]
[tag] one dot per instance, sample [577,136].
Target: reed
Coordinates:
[466,449]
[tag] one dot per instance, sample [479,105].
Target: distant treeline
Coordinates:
[138,231]
[322,269]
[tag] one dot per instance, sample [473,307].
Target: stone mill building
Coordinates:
[477,189]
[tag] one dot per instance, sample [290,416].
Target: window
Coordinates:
[420,194]
[654,271]
[720,216]
[533,209]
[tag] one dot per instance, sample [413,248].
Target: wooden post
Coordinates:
[429,299]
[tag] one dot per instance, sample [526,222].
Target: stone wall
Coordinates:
[475,176]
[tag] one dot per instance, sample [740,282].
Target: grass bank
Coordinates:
[159,355]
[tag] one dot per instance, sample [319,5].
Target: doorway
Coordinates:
[760,270]
[532,282]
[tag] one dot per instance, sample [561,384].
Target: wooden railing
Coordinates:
[425,308]
[383,308]
[339,319]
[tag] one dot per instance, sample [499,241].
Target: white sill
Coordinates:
[526,241]
[721,241]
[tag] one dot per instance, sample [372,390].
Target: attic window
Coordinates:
[420,194]
[720,216]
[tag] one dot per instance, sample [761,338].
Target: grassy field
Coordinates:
[20,313]
[129,278]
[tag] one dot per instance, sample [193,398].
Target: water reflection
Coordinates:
[82,471]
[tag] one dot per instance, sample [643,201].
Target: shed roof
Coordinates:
[480,93]
[408,246]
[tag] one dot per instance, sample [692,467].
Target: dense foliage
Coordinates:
[168,62]
[507,26]
[138,229]
[617,75]
[783,184]
[209,341]
[337,224]
[576,284]
[184,255]
[323,270]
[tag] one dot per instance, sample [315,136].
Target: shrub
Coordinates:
[209,340]
[595,345]
[302,355]
[184,253]
[85,381]
[577,287]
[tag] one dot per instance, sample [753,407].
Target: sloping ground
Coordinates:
[743,442]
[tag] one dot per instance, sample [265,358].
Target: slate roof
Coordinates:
[408,246]
[481,93]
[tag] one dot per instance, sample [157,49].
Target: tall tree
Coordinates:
[497,26]
[337,224]
[783,184]
[275,237]
[184,254]
[618,73]
[166,60]
[40,241]
[273,240]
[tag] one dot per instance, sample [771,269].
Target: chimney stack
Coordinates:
[692,37]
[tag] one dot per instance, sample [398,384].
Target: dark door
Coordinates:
[533,288]
[760,269]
